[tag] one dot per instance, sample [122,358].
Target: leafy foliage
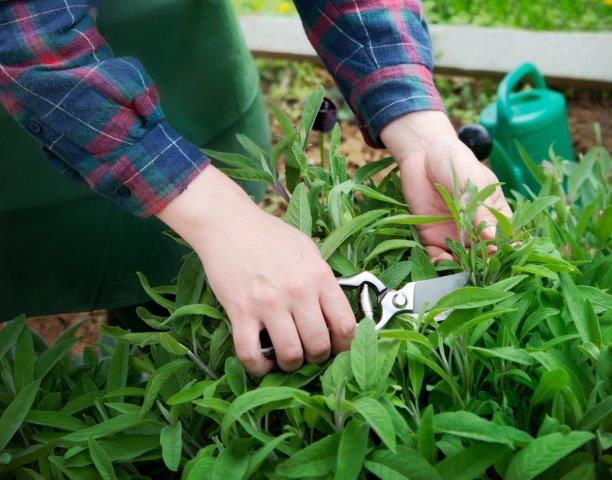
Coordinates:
[528,14]
[514,384]
[538,15]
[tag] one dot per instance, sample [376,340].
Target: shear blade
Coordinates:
[428,292]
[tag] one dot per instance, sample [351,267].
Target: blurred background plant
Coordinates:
[528,14]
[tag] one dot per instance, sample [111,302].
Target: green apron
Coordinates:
[65,249]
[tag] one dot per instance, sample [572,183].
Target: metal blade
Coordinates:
[428,292]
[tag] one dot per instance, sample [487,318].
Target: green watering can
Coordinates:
[536,119]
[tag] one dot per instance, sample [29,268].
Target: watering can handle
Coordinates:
[510,81]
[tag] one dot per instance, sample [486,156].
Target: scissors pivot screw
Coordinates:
[400,300]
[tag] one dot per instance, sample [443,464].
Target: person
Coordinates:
[99,120]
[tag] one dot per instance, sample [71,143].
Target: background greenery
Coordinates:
[529,14]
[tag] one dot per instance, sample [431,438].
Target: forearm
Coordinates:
[380,55]
[97,116]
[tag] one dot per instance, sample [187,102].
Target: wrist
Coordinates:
[210,201]
[418,133]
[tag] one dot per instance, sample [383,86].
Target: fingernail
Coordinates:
[442,256]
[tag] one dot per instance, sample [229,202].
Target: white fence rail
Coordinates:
[575,58]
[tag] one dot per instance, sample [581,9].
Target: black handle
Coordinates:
[477,139]
[266,344]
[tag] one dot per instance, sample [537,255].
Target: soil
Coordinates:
[50,327]
[585,108]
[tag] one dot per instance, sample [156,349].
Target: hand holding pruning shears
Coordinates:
[413,298]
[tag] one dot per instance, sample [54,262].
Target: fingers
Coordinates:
[248,346]
[313,332]
[287,344]
[501,203]
[437,254]
[338,315]
[483,215]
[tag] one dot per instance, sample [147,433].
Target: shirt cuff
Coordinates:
[389,93]
[151,173]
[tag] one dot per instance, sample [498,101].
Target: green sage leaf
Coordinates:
[364,354]
[543,453]
[171,442]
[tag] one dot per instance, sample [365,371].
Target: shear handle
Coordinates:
[361,279]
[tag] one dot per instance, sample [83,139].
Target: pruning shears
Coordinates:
[413,298]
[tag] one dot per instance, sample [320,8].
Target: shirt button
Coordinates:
[34,127]
[124,192]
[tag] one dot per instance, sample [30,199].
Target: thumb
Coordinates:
[483,215]
[437,254]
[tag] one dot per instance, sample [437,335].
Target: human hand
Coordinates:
[424,144]
[266,274]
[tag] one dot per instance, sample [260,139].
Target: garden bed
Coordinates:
[514,384]
[288,83]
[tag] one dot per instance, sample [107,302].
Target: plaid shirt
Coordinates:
[98,117]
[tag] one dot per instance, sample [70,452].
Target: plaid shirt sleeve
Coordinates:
[380,54]
[97,116]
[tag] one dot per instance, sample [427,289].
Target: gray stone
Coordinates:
[575,58]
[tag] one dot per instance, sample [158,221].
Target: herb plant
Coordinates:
[515,384]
